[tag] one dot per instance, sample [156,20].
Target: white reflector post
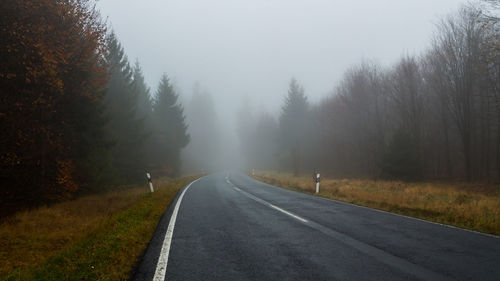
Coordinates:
[148,175]
[317,183]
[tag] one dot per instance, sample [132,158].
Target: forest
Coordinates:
[435,116]
[77,116]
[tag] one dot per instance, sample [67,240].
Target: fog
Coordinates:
[247,51]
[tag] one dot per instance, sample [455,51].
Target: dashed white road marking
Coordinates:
[382,211]
[382,256]
[161,266]
[288,213]
[271,205]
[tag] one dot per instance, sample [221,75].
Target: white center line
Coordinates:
[271,205]
[161,266]
[382,256]
[288,213]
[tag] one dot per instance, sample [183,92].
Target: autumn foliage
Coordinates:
[51,80]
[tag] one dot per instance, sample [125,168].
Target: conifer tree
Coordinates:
[170,128]
[144,112]
[294,124]
[125,128]
[142,94]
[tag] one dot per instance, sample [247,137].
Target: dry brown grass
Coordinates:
[467,205]
[29,238]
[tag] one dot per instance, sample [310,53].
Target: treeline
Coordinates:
[434,116]
[75,116]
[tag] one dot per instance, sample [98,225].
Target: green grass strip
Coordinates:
[111,251]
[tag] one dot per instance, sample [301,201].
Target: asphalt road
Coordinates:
[232,227]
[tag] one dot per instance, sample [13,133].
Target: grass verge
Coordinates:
[98,237]
[466,205]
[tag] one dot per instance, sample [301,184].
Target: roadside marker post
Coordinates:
[148,175]
[316,177]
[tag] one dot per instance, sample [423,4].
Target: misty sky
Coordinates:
[235,48]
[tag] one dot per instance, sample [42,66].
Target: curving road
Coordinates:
[232,227]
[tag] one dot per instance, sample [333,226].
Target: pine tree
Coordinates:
[125,128]
[170,128]
[144,112]
[92,150]
[142,94]
[294,123]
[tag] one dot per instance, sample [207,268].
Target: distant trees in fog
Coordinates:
[201,154]
[429,117]
[259,137]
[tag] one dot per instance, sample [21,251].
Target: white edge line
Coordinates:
[271,205]
[288,213]
[413,218]
[161,266]
[386,212]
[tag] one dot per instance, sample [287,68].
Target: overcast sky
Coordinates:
[235,48]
